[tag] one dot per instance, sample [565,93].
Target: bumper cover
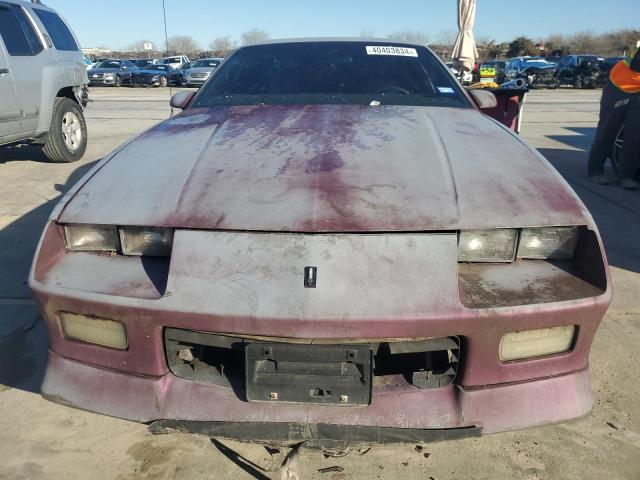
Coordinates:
[492,409]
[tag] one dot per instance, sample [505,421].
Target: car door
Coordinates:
[127,69]
[19,77]
[9,111]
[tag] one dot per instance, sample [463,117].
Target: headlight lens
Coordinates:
[108,75]
[498,245]
[99,331]
[146,241]
[548,242]
[536,343]
[151,241]
[91,237]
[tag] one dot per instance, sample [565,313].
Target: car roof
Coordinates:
[334,39]
[29,4]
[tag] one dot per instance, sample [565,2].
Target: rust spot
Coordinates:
[324,162]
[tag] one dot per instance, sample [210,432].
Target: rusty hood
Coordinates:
[333,168]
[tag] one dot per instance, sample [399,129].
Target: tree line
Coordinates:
[615,43]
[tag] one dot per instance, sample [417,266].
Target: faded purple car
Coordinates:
[330,242]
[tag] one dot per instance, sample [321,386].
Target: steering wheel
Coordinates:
[393,89]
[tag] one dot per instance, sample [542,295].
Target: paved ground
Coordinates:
[42,440]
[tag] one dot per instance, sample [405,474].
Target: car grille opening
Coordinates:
[220,360]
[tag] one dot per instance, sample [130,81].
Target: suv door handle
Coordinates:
[4,70]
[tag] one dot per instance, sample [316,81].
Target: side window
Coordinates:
[19,36]
[60,35]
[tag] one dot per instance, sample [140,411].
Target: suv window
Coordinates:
[61,36]
[19,36]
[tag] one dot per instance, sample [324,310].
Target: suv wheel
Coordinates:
[117,82]
[163,81]
[67,138]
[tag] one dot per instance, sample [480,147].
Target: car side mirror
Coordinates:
[181,99]
[483,99]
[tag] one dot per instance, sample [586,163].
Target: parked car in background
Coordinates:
[579,71]
[88,63]
[111,73]
[152,76]
[176,62]
[537,71]
[43,81]
[552,59]
[200,70]
[467,77]
[142,62]
[605,67]
[331,240]
[177,75]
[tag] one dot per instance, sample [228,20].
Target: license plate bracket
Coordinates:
[319,374]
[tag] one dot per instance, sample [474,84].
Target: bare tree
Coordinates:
[445,38]
[583,42]
[409,36]
[254,35]
[138,46]
[221,46]
[182,44]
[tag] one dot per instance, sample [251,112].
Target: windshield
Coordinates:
[206,63]
[108,64]
[589,58]
[173,60]
[331,73]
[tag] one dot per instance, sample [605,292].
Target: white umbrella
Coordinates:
[464,50]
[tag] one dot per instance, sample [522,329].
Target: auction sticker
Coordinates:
[390,50]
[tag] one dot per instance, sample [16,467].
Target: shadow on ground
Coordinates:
[615,210]
[23,335]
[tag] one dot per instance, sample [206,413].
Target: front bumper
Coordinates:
[195,81]
[145,81]
[492,408]
[251,285]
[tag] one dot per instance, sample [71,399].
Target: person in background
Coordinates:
[620,104]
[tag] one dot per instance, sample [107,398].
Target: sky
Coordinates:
[118,23]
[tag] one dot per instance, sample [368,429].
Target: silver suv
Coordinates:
[43,81]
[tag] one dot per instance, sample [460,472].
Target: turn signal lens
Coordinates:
[98,331]
[536,343]
[91,237]
[498,245]
[548,242]
[146,241]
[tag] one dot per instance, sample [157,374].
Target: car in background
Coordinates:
[176,61]
[498,66]
[152,76]
[141,62]
[536,71]
[331,239]
[88,63]
[111,73]
[579,71]
[177,75]
[552,58]
[43,82]
[605,68]
[200,70]
[467,76]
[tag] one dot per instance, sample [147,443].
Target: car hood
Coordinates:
[326,168]
[201,70]
[103,70]
[150,72]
